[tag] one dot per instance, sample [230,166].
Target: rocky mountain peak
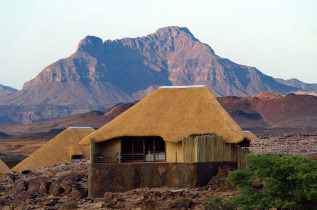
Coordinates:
[180,38]
[175,31]
[90,44]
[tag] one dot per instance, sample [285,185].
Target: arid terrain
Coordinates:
[98,98]
[12,151]
[63,94]
[55,186]
[51,187]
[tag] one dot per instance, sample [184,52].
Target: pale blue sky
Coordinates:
[277,37]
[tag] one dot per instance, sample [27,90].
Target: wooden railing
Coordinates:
[107,157]
[118,157]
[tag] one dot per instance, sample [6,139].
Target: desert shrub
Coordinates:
[70,205]
[214,204]
[271,181]
[217,203]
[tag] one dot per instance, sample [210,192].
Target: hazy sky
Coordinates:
[277,37]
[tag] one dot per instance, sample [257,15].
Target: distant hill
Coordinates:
[16,114]
[51,128]
[298,84]
[270,113]
[123,70]
[265,114]
[303,92]
[5,90]
[3,135]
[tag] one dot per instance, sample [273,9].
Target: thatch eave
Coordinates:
[4,169]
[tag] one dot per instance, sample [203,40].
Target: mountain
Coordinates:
[125,70]
[298,84]
[265,114]
[5,90]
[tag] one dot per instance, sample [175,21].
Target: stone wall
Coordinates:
[120,177]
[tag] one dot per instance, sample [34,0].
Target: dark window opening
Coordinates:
[149,145]
[244,143]
[77,157]
[126,145]
[137,145]
[160,145]
[138,148]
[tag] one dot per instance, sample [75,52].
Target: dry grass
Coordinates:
[22,146]
[173,114]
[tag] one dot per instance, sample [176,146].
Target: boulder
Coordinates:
[38,185]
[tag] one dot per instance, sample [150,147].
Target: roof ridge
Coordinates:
[185,86]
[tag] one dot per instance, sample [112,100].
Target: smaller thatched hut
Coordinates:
[4,169]
[250,135]
[61,149]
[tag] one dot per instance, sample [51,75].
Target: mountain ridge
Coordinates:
[6,90]
[298,84]
[123,70]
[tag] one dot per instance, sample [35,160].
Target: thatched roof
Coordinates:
[250,135]
[173,114]
[60,149]
[4,169]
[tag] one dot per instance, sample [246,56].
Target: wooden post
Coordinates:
[176,156]
[92,150]
[149,156]
[119,157]
[153,149]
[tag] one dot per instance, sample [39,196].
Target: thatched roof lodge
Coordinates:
[156,127]
[62,148]
[4,169]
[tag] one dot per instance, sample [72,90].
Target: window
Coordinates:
[136,148]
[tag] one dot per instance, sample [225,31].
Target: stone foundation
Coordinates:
[120,177]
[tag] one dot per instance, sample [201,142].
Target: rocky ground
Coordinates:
[296,144]
[66,184]
[57,186]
